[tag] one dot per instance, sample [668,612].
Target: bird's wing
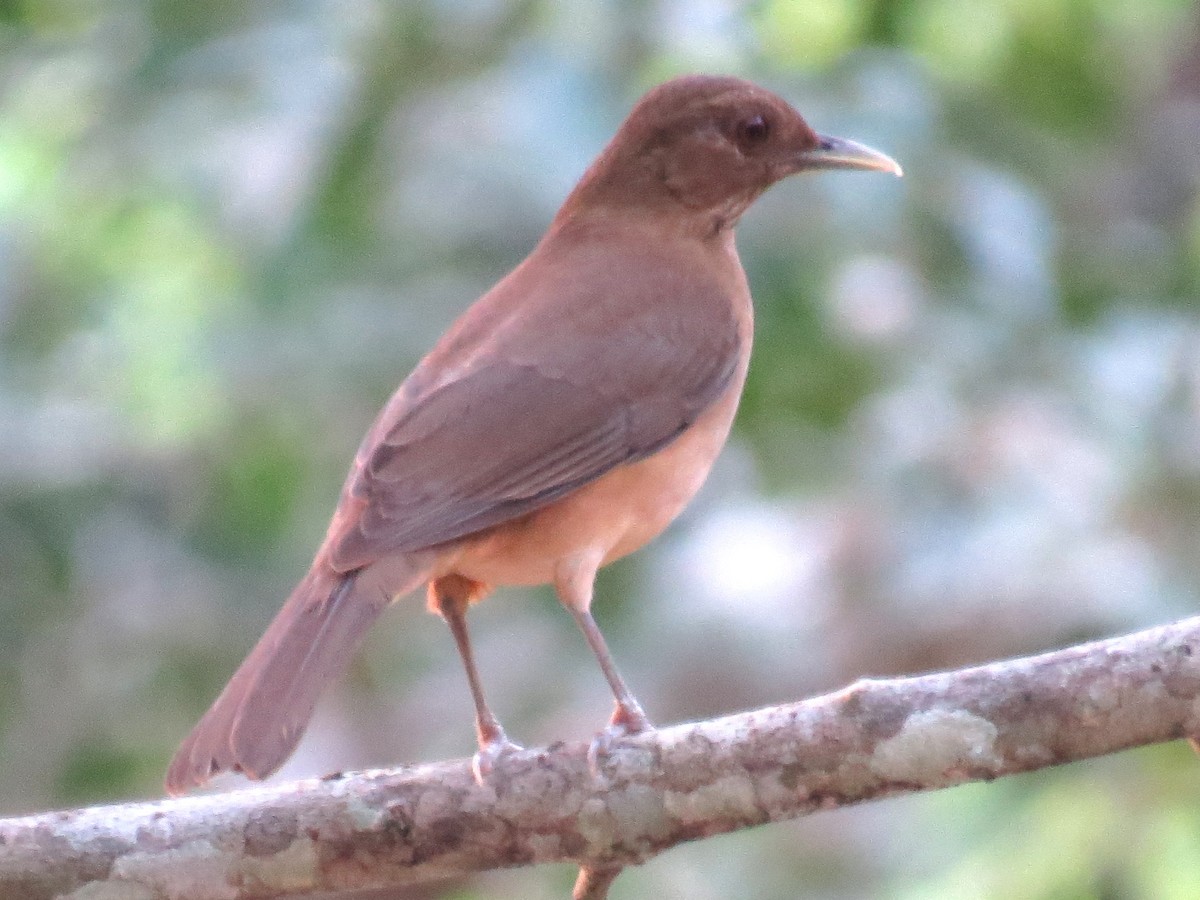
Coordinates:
[530,417]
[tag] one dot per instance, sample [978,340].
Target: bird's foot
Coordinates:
[627,719]
[484,761]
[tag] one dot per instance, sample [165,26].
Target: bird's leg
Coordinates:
[450,597]
[574,581]
[628,716]
[574,584]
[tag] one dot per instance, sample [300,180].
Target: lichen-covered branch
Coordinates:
[652,791]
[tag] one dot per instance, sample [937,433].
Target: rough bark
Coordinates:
[417,824]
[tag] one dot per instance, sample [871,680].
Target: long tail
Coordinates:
[258,719]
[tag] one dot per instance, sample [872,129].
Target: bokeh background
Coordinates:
[972,427]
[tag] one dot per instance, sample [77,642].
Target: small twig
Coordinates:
[650,792]
[594,881]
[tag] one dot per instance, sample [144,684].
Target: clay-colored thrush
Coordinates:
[562,422]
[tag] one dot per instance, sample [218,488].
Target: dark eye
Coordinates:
[753,131]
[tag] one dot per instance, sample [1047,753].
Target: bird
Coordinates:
[561,423]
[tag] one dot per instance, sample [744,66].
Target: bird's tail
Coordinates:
[258,719]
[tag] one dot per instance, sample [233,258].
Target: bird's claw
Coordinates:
[484,761]
[626,720]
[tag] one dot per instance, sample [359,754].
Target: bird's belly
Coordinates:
[614,515]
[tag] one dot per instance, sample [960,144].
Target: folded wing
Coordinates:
[432,468]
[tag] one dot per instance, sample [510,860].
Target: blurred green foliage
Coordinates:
[972,426]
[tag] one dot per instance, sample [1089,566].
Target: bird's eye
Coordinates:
[753,131]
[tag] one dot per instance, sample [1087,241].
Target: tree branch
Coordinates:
[404,826]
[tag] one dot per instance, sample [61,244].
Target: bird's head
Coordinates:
[705,147]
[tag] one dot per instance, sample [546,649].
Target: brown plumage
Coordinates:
[562,422]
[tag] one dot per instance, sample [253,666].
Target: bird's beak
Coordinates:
[840,153]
